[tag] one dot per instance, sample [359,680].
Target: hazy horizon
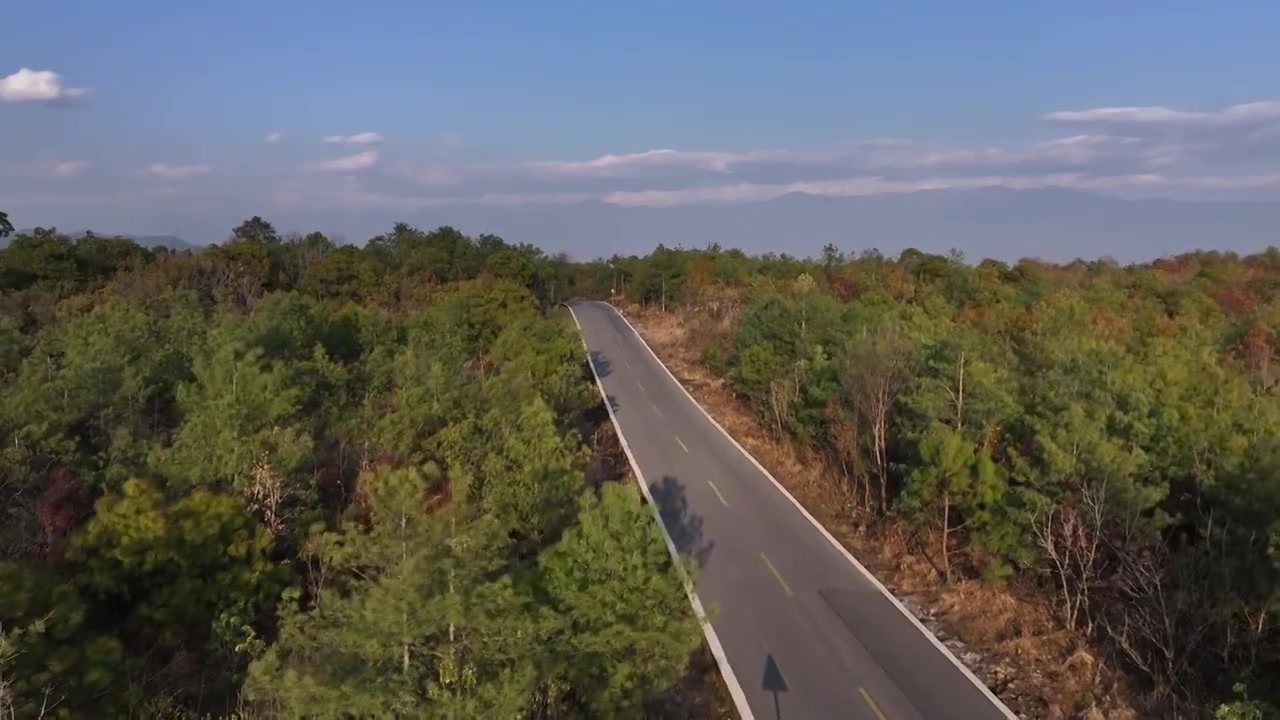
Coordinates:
[1053,224]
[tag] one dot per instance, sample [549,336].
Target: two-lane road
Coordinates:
[806,633]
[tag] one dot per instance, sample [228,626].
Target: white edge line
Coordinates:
[946,652]
[713,640]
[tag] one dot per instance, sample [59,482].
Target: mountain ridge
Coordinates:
[1057,224]
[1053,223]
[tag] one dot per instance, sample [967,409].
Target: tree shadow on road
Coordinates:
[604,368]
[685,527]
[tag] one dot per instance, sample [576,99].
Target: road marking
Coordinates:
[717,492]
[872,704]
[641,386]
[624,362]
[884,591]
[655,409]
[777,575]
[677,437]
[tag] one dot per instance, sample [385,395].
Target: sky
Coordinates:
[155,117]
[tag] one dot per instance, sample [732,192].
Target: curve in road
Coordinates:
[800,628]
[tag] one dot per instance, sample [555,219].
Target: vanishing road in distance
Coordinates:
[806,633]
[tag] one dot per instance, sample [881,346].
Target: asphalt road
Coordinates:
[805,632]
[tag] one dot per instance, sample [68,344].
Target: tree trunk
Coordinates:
[946,535]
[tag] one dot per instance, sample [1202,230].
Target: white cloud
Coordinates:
[631,163]
[69,168]
[177,172]
[844,187]
[858,186]
[348,163]
[1121,151]
[1243,133]
[1076,150]
[38,86]
[355,195]
[1120,142]
[364,138]
[1157,151]
[273,136]
[771,166]
[1247,113]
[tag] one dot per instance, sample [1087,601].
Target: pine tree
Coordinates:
[628,632]
[408,614]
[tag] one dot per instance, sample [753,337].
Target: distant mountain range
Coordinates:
[169,241]
[1054,224]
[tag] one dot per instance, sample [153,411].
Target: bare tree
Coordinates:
[1071,538]
[847,441]
[8,709]
[783,394]
[876,370]
[957,394]
[271,494]
[1158,617]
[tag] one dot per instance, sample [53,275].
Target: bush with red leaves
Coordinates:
[64,505]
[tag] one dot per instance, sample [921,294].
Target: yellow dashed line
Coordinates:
[777,575]
[717,492]
[677,437]
[872,704]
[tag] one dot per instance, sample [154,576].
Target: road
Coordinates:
[805,632]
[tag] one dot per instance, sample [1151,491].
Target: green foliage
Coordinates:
[1244,709]
[1103,433]
[97,389]
[286,558]
[952,480]
[628,630]
[49,657]
[175,568]
[1008,414]
[408,621]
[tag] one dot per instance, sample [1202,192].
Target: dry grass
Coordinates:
[1007,635]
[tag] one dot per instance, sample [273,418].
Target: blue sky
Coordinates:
[654,103]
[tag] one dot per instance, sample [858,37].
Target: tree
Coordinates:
[256,230]
[628,631]
[176,569]
[52,663]
[876,370]
[274,394]
[405,615]
[6,227]
[1105,435]
[957,486]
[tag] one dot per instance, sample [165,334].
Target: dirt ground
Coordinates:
[1007,635]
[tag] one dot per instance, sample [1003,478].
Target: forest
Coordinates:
[280,473]
[1104,438]
[279,478]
